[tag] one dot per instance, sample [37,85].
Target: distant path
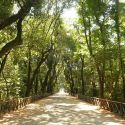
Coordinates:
[60,110]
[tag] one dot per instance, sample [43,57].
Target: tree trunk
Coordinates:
[45,82]
[89,45]
[21,14]
[17,41]
[36,85]
[82,75]
[3,62]
[121,65]
[101,82]
[43,58]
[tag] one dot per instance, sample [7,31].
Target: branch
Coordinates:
[21,14]
[17,41]
[3,62]
[45,55]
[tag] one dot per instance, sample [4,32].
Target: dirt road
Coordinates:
[60,110]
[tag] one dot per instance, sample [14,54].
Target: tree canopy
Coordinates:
[39,53]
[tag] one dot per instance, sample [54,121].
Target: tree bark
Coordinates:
[17,41]
[42,60]
[3,62]
[16,17]
[82,75]
[121,64]
[21,14]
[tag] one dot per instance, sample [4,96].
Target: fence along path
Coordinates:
[112,106]
[60,110]
[17,103]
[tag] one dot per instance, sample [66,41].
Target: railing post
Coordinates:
[112,106]
[14,104]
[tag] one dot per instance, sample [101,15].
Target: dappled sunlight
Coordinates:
[64,104]
[32,106]
[111,123]
[60,110]
[83,106]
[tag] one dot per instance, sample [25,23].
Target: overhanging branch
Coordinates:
[17,41]
[21,14]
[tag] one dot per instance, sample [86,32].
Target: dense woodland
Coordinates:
[38,51]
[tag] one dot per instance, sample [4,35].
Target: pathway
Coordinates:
[61,110]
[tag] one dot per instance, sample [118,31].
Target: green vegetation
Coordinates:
[37,50]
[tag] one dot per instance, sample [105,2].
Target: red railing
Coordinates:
[113,106]
[14,104]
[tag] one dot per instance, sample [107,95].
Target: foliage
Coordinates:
[39,54]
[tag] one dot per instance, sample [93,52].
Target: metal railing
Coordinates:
[15,104]
[113,106]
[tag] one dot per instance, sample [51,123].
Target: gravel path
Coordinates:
[61,110]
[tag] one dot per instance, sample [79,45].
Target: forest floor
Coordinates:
[61,110]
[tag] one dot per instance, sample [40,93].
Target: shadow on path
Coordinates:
[60,110]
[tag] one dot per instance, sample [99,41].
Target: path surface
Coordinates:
[60,110]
